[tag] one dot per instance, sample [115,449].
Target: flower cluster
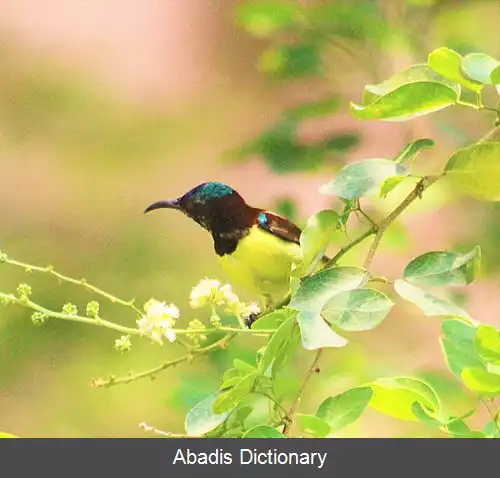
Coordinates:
[210,292]
[38,318]
[158,321]
[195,332]
[70,309]
[123,344]
[23,291]
[92,309]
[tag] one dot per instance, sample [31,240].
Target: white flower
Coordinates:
[158,321]
[170,335]
[123,344]
[226,295]
[244,310]
[210,292]
[252,308]
[203,293]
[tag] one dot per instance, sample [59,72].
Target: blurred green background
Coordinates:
[106,107]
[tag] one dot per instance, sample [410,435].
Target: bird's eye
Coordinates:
[263,219]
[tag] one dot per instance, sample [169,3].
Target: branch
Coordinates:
[81,282]
[293,409]
[349,246]
[380,229]
[156,431]
[132,377]
[12,299]
[492,135]
[493,415]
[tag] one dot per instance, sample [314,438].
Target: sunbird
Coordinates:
[256,247]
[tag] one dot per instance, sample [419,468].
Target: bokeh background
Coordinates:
[106,107]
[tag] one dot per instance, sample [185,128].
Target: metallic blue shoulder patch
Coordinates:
[263,219]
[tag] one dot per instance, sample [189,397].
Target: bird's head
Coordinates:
[218,208]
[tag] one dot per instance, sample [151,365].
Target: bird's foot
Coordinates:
[251,319]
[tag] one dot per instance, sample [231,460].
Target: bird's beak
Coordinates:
[165,204]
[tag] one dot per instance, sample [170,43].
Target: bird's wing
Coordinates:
[280,226]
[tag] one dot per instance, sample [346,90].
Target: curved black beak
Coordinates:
[165,204]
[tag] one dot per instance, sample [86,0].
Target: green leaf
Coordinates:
[286,206]
[315,109]
[243,366]
[495,76]
[234,433]
[313,425]
[7,435]
[292,61]
[282,151]
[276,343]
[263,431]
[475,170]
[243,413]
[343,409]
[481,382]
[413,148]
[479,66]
[413,92]
[286,352]
[230,383]
[459,429]
[313,294]
[265,18]
[488,343]
[340,142]
[201,419]
[414,73]
[390,184]
[440,268]
[428,303]
[350,205]
[232,373]
[226,401]
[395,397]
[492,429]
[315,239]
[273,320]
[422,414]
[448,64]
[358,309]
[457,341]
[363,177]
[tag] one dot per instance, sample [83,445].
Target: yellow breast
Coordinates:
[262,263]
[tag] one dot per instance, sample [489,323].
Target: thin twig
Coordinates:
[492,135]
[156,431]
[493,416]
[81,282]
[132,377]
[416,193]
[349,246]
[287,428]
[12,299]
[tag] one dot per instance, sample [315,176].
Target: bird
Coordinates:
[256,247]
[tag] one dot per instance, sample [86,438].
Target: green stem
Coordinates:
[132,377]
[12,299]
[380,229]
[156,431]
[333,261]
[287,429]
[80,282]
